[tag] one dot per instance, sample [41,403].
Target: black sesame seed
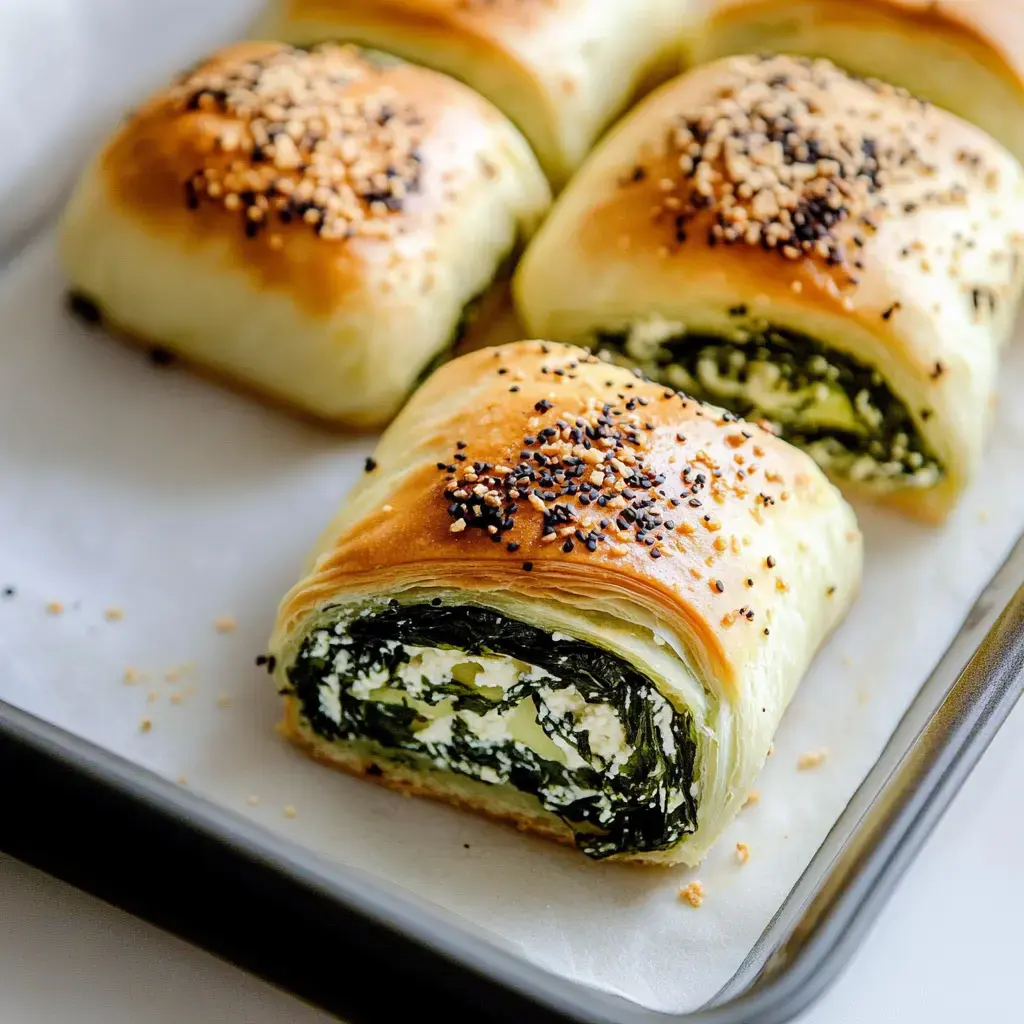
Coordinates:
[528,566]
[513,545]
[369,465]
[161,357]
[85,309]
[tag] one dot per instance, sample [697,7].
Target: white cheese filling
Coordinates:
[493,676]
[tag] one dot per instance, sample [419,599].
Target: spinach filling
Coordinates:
[552,716]
[827,402]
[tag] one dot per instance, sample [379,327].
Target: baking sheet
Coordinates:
[139,490]
[126,488]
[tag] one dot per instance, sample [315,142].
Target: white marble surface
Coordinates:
[948,947]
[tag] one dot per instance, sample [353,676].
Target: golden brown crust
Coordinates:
[571,495]
[882,154]
[966,56]
[493,21]
[560,69]
[990,30]
[237,150]
[714,488]
[781,192]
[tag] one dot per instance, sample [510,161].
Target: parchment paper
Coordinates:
[125,487]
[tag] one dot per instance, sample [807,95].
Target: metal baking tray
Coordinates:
[338,938]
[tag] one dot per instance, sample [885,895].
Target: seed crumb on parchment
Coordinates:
[812,759]
[693,893]
[289,811]
[742,853]
[145,725]
[113,614]
[753,797]
[54,608]
[225,624]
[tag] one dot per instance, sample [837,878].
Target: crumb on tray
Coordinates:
[289,811]
[753,797]
[252,801]
[742,853]
[223,701]
[113,614]
[182,781]
[692,894]
[55,608]
[145,725]
[225,624]
[812,759]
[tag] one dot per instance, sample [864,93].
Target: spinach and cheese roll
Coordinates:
[560,69]
[568,598]
[964,55]
[799,246]
[317,227]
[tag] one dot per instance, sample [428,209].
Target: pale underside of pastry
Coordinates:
[567,598]
[964,55]
[560,69]
[827,254]
[316,227]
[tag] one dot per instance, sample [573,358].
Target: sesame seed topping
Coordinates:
[772,159]
[293,140]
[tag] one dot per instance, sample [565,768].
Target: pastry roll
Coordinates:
[569,598]
[964,55]
[561,71]
[799,246]
[315,226]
